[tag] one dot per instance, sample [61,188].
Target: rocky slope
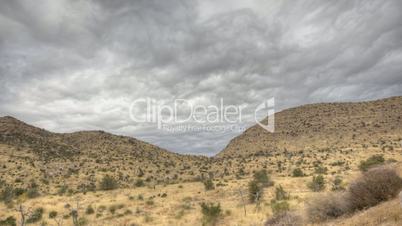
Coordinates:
[324,126]
[81,159]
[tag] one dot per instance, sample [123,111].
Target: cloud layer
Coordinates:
[77,65]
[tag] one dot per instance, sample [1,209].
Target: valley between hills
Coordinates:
[97,178]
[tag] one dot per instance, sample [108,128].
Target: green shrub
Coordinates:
[280,193]
[33,193]
[139,183]
[373,161]
[279,206]
[7,194]
[208,184]
[108,183]
[35,216]
[52,214]
[317,183]
[9,221]
[112,209]
[89,210]
[62,190]
[337,184]
[211,213]
[19,191]
[263,178]
[255,191]
[82,221]
[150,202]
[321,170]
[297,173]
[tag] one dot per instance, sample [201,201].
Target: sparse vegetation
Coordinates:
[373,161]
[36,216]
[262,178]
[280,193]
[285,219]
[108,183]
[297,173]
[208,184]
[211,213]
[376,185]
[9,221]
[337,184]
[255,191]
[328,206]
[317,183]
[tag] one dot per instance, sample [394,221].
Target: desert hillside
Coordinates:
[80,159]
[98,178]
[325,126]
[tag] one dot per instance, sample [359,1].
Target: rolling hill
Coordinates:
[322,126]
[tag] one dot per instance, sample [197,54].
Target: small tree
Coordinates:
[211,213]
[263,178]
[317,183]
[255,191]
[108,183]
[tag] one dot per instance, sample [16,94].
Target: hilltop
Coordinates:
[324,126]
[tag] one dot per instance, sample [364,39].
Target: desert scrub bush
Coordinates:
[210,213]
[372,161]
[285,219]
[52,214]
[150,202]
[89,210]
[108,183]
[62,190]
[337,184]
[280,193]
[35,216]
[297,173]
[279,206]
[263,178]
[327,206]
[7,194]
[255,191]
[320,170]
[33,193]
[9,221]
[317,183]
[139,183]
[374,186]
[208,184]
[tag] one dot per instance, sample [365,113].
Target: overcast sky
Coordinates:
[78,65]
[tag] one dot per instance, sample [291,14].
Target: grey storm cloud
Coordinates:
[78,65]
